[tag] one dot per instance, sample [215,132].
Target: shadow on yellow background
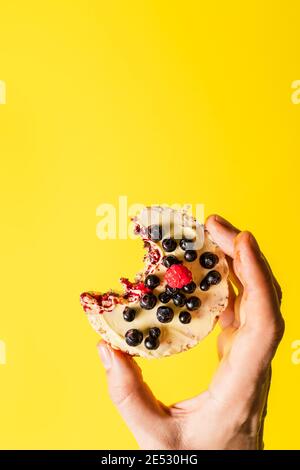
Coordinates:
[162,102]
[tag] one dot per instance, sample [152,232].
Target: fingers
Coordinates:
[275,282]
[133,398]
[260,304]
[247,351]
[225,340]
[224,234]
[229,322]
[227,317]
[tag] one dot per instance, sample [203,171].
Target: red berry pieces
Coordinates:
[178,276]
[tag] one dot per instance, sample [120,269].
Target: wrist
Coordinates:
[249,433]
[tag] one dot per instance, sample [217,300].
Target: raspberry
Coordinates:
[178,276]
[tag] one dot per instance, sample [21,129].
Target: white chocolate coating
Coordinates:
[175,337]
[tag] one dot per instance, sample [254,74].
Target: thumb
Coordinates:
[132,397]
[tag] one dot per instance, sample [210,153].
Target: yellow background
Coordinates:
[162,101]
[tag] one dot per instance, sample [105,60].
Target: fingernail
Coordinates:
[105,355]
[224,222]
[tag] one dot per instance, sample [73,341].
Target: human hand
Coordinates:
[230,413]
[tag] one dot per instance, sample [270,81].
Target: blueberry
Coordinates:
[169,244]
[193,303]
[171,290]
[190,255]
[208,260]
[164,314]
[204,284]
[213,278]
[152,281]
[186,244]
[169,260]
[128,314]
[148,301]
[185,317]
[154,332]
[151,342]
[133,337]
[164,297]
[189,288]
[179,299]
[154,232]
